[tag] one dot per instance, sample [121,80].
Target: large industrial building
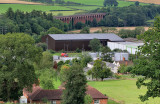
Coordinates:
[70,42]
[131,47]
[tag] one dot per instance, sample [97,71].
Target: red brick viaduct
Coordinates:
[81,18]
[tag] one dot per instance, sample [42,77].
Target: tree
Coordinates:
[64,71]
[18,52]
[75,87]
[94,23]
[79,25]
[137,3]
[47,78]
[149,61]
[54,30]
[43,46]
[88,99]
[46,61]
[110,3]
[85,30]
[85,58]
[95,44]
[106,56]
[100,70]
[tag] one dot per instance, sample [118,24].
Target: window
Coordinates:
[96,101]
[53,102]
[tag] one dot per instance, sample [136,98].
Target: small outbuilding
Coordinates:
[70,42]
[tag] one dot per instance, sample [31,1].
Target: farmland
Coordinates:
[123,91]
[94,29]
[148,1]
[100,2]
[17,2]
[56,9]
[29,8]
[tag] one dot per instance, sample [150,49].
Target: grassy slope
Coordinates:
[91,4]
[123,90]
[28,8]
[100,2]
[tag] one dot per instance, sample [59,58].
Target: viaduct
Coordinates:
[81,18]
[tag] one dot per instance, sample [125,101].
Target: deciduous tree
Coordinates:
[95,44]
[148,63]
[18,52]
[75,86]
[100,70]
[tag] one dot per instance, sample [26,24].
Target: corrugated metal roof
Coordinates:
[109,36]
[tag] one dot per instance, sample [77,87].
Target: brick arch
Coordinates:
[82,18]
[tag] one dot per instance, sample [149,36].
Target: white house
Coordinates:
[23,100]
[112,66]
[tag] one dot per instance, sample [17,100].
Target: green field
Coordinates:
[65,10]
[100,2]
[124,91]
[29,8]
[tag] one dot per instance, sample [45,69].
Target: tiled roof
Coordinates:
[48,94]
[94,93]
[38,94]
[109,36]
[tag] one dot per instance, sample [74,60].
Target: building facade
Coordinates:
[70,42]
[38,95]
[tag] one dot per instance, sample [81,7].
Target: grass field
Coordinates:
[94,29]
[100,2]
[17,2]
[148,1]
[69,54]
[28,8]
[124,91]
[65,10]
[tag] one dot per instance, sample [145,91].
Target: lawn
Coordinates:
[122,90]
[57,83]
[69,54]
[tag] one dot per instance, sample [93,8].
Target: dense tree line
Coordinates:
[35,23]
[43,1]
[127,16]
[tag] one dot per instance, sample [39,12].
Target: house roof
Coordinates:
[111,65]
[48,94]
[109,36]
[38,94]
[94,93]
[125,62]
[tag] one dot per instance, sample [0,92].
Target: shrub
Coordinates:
[117,76]
[78,50]
[52,51]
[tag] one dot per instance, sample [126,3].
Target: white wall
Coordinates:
[122,46]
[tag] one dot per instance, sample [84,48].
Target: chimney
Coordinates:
[126,63]
[123,58]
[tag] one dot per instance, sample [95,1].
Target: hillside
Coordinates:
[81,6]
[148,1]
[16,2]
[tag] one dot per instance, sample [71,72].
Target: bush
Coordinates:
[117,76]
[78,50]
[79,25]
[52,51]
[43,46]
